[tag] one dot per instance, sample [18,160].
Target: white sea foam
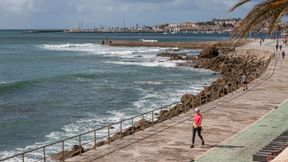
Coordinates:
[97,49]
[148,82]
[70,47]
[152,63]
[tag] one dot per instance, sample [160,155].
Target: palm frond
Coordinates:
[267,13]
[239,4]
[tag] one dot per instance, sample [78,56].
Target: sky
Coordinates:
[65,14]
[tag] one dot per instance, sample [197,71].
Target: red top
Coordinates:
[197,119]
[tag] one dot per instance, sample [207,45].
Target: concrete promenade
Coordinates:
[226,122]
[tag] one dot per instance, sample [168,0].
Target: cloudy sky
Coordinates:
[67,13]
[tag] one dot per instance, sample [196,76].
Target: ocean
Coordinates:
[56,85]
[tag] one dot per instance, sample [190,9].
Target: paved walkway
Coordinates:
[223,118]
[242,146]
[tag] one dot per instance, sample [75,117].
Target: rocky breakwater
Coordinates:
[229,63]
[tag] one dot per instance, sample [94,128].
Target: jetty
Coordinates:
[191,45]
[236,126]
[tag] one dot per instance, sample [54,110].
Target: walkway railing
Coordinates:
[91,139]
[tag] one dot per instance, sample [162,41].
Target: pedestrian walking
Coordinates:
[283,54]
[197,127]
[280,47]
[244,81]
[276,47]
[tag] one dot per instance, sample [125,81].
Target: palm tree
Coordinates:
[266,13]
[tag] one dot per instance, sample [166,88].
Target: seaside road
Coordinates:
[222,118]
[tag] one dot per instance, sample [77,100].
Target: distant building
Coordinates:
[226,21]
[172,25]
[189,27]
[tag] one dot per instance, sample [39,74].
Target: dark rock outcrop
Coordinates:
[209,52]
[76,150]
[172,56]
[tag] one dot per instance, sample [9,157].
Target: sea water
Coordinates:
[56,85]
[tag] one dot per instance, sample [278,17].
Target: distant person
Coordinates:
[276,47]
[283,54]
[244,81]
[197,127]
[280,47]
[260,42]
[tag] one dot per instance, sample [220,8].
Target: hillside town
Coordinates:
[216,25]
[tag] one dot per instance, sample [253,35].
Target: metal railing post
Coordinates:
[121,126]
[152,116]
[44,154]
[193,103]
[132,121]
[200,98]
[23,157]
[63,153]
[95,140]
[80,142]
[108,129]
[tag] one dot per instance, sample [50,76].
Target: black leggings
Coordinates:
[199,129]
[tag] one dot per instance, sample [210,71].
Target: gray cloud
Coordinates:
[64,13]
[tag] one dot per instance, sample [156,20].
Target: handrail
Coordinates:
[97,129]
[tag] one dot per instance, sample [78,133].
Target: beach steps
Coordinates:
[274,148]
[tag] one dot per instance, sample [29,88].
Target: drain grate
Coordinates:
[274,148]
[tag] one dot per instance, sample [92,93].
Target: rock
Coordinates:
[141,124]
[76,150]
[187,100]
[167,114]
[209,52]
[172,56]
